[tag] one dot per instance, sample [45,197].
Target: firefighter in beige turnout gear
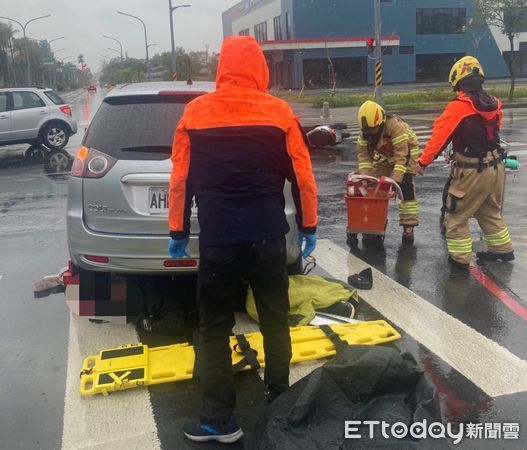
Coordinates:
[387,146]
[472,122]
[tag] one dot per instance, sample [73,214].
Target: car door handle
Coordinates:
[43,112]
[4,116]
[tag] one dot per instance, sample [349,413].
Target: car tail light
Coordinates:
[180,263]
[90,163]
[97,259]
[66,110]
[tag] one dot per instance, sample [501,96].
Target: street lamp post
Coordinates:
[171,9]
[56,39]
[144,28]
[116,40]
[23,26]
[113,50]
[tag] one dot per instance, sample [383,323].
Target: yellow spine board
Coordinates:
[138,365]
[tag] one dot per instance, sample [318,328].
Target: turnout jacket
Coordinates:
[233,150]
[397,146]
[471,122]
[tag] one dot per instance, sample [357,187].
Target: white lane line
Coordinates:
[487,364]
[518,152]
[124,420]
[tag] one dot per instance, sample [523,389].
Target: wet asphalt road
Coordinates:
[34,333]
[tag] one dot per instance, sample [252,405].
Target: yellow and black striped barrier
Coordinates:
[378,74]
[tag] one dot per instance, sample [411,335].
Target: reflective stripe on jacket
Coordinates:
[397,147]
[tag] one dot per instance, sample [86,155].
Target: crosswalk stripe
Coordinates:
[491,367]
[117,421]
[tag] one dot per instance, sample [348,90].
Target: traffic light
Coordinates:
[370,45]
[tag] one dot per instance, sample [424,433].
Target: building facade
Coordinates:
[320,43]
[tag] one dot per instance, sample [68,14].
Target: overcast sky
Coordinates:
[83,22]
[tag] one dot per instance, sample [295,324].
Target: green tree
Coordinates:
[128,71]
[7,69]
[510,18]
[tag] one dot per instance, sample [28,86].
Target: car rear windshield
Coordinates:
[55,98]
[136,127]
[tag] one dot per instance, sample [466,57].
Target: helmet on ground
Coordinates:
[370,115]
[464,68]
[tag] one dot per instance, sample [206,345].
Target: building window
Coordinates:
[277,21]
[288,25]
[260,32]
[436,66]
[406,50]
[244,32]
[441,20]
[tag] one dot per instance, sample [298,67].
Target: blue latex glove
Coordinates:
[310,243]
[177,248]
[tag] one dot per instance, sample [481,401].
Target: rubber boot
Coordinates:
[408,235]
[490,256]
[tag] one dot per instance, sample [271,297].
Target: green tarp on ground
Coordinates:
[308,293]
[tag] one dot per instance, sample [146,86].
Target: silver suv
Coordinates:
[35,116]
[118,189]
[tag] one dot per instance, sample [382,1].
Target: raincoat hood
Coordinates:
[242,63]
[482,103]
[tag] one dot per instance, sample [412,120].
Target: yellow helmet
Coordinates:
[464,68]
[370,115]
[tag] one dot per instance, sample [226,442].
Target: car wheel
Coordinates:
[296,268]
[55,136]
[58,161]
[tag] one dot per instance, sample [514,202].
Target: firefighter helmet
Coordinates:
[370,115]
[464,68]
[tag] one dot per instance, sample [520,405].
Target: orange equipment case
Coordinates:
[368,214]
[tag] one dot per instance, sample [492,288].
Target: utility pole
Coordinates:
[171,9]
[378,53]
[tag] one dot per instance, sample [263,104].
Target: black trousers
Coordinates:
[222,269]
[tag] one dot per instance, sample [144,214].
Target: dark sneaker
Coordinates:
[490,256]
[225,432]
[361,280]
[456,266]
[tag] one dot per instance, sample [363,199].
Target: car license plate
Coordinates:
[158,200]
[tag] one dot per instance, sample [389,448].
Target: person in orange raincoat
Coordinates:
[233,151]
[472,122]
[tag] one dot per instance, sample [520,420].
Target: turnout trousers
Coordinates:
[409,207]
[222,270]
[479,195]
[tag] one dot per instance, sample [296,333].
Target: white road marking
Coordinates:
[518,152]
[122,421]
[488,365]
